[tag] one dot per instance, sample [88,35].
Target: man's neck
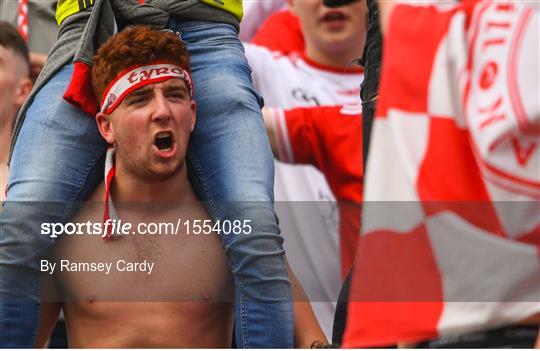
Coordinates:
[338,59]
[129,188]
[5,141]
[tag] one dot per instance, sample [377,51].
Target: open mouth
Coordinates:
[333,16]
[163,141]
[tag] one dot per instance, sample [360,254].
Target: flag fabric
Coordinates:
[451,224]
[22,19]
[109,211]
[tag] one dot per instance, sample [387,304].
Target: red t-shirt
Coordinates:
[281,32]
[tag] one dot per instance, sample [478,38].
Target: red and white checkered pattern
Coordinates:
[22,19]
[456,152]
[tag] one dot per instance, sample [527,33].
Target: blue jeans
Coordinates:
[58,161]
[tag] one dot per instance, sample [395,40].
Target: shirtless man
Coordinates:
[175,302]
[168,290]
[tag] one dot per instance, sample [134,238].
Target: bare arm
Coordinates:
[268,123]
[307,330]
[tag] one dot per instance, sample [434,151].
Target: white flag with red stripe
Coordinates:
[451,235]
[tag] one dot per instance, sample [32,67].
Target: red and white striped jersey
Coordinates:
[451,220]
[294,80]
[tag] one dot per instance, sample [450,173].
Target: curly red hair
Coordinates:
[136,45]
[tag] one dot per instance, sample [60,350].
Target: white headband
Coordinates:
[139,76]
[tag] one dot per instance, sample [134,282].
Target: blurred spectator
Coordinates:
[15,86]
[321,75]
[41,27]
[41,37]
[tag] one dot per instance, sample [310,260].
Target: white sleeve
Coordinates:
[262,63]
